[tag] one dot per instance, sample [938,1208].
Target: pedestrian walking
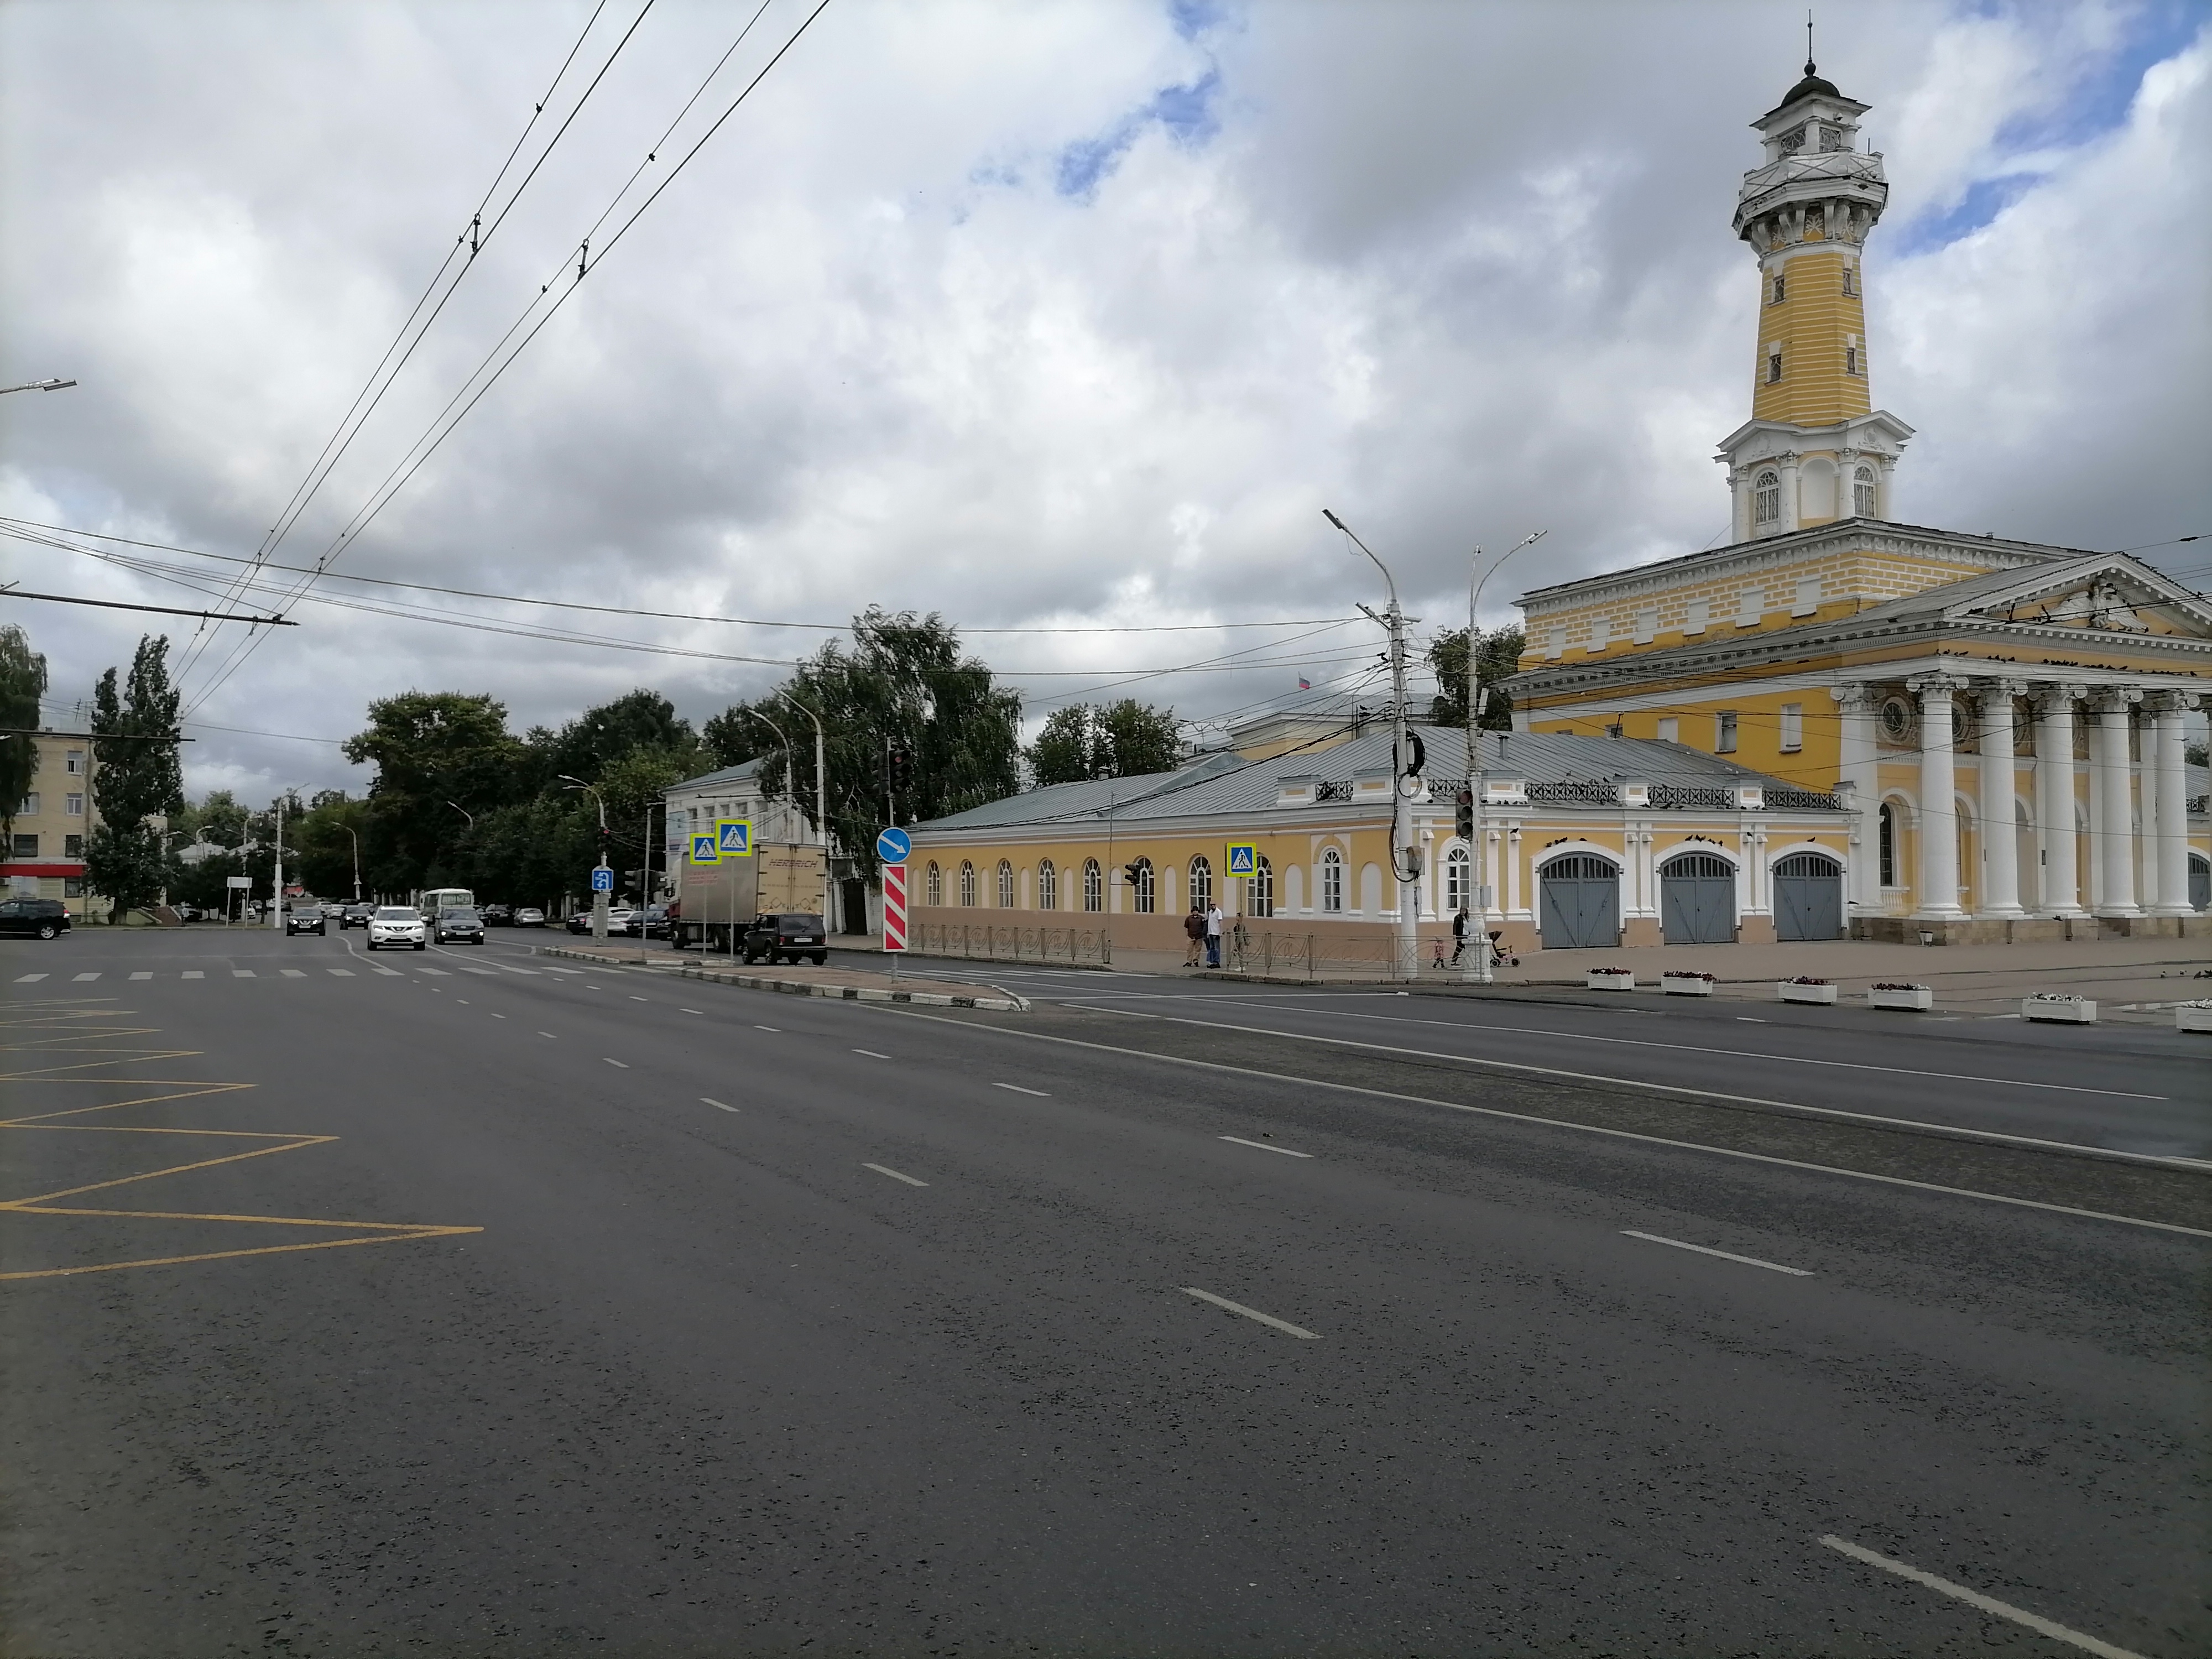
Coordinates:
[1193,929]
[1213,920]
[1460,924]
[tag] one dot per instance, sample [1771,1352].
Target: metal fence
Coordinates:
[1801,800]
[987,942]
[1677,796]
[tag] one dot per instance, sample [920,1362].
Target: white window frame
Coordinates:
[1724,732]
[1793,727]
[1047,885]
[1331,881]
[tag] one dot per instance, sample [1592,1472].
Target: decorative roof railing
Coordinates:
[1801,800]
[1327,790]
[1677,796]
[1572,793]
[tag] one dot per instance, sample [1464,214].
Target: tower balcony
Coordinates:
[1830,175]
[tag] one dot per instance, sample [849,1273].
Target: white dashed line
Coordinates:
[190,972]
[1283,1325]
[618,1064]
[30,979]
[435,973]
[389,973]
[340,972]
[687,1010]
[638,998]
[243,973]
[499,1016]
[705,1100]
[884,1168]
[1976,1599]
[1018,1088]
[1725,1255]
[870,1053]
[81,978]
[545,1033]
[141,976]
[1262,1146]
[294,972]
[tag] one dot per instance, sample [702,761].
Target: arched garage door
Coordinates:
[1697,900]
[1582,904]
[1809,898]
[2200,882]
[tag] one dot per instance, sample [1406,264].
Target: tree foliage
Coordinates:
[1124,739]
[1501,653]
[22,683]
[137,777]
[440,756]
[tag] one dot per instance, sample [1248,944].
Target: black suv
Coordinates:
[498,915]
[788,934]
[305,918]
[34,918]
[466,926]
[355,916]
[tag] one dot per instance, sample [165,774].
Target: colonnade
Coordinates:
[1945,702]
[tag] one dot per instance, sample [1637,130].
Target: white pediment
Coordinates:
[2113,595]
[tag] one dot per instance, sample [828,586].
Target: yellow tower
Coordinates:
[1815,449]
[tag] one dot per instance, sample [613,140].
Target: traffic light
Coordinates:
[1463,812]
[1134,873]
[902,769]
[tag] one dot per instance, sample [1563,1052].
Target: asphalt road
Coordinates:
[608,1312]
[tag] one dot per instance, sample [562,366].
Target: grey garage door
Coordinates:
[1582,904]
[2200,882]
[1697,900]
[1809,898]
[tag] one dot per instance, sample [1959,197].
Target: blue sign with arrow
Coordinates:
[603,880]
[892,845]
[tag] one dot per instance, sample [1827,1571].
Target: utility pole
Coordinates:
[356,860]
[276,883]
[1478,970]
[1405,783]
[598,893]
[821,793]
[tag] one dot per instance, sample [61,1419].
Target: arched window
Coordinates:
[1261,900]
[1781,289]
[1458,890]
[1047,885]
[1863,492]
[1766,498]
[1202,882]
[1331,881]
[967,882]
[1885,825]
[1094,887]
[1850,277]
[934,885]
[1140,882]
[1005,885]
[1773,368]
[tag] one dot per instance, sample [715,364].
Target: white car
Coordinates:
[397,924]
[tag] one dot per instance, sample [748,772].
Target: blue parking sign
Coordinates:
[1243,858]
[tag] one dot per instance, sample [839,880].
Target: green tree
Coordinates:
[137,777]
[1501,655]
[22,683]
[587,745]
[317,845]
[433,752]
[1124,739]
[218,817]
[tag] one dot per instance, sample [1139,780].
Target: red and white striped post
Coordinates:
[894,911]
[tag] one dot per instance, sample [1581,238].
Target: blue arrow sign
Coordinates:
[892,845]
[603,880]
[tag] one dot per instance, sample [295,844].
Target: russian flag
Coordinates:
[1305,685]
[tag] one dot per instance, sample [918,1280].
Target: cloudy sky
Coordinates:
[1052,317]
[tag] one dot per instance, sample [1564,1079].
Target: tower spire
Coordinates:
[1809,69]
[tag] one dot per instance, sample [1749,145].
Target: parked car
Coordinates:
[355,916]
[657,922]
[305,918]
[786,935]
[34,918]
[529,916]
[398,924]
[462,926]
[497,915]
[618,920]
[184,912]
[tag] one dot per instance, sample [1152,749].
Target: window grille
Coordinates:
[1331,881]
[967,882]
[1005,885]
[1047,885]
[1202,882]
[934,885]
[1863,492]
[1766,499]
[1094,887]
[1261,900]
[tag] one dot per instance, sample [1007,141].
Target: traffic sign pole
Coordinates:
[893,846]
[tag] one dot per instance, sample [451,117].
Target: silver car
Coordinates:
[398,924]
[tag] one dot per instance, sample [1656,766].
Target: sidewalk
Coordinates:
[845,984]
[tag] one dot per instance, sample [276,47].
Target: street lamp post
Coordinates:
[1405,851]
[1478,970]
[38,385]
[821,788]
[598,893]
[356,860]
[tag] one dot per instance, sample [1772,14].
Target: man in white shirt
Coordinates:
[1213,937]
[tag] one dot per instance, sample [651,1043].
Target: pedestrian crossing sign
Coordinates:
[1243,858]
[733,838]
[704,849]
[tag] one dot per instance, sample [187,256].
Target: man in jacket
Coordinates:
[1194,929]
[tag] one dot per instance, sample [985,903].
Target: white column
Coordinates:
[2112,817]
[2000,889]
[1939,809]
[2059,893]
[1740,479]
[1884,467]
[1791,514]
[2169,772]
[1854,765]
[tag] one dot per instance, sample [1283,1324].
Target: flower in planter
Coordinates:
[1615,971]
[1687,973]
[1900,988]
[1806,979]
[2054,996]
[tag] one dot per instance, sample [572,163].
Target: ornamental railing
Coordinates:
[1686,797]
[1323,792]
[1801,800]
[1572,793]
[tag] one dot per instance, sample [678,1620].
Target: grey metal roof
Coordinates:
[1227,783]
[715,780]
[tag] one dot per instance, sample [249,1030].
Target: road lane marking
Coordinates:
[635,998]
[1252,1313]
[141,976]
[340,972]
[28,979]
[707,1100]
[1954,1130]
[389,973]
[1975,1599]
[558,970]
[1725,1255]
[461,1002]
[243,973]
[499,1016]
[619,1065]
[190,972]
[694,1010]
[1018,1088]
[545,1033]
[1746,1019]
[294,972]
[884,1169]
[1566,1123]
[870,1053]
[779,1029]
[438,973]
[81,978]
[1263,1146]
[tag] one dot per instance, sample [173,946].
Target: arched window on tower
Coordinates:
[1766,499]
[1773,368]
[1863,493]
[1885,825]
[1781,289]
[1850,277]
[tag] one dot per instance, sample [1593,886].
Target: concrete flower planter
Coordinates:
[1789,992]
[2059,1011]
[1610,979]
[2193,1016]
[1685,985]
[1907,999]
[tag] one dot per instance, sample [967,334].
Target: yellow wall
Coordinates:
[1812,324]
[1759,729]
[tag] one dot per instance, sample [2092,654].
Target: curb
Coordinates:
[1009,1003]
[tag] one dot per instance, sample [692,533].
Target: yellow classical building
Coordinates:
[2004,720]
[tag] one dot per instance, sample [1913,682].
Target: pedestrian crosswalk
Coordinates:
[426,969]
